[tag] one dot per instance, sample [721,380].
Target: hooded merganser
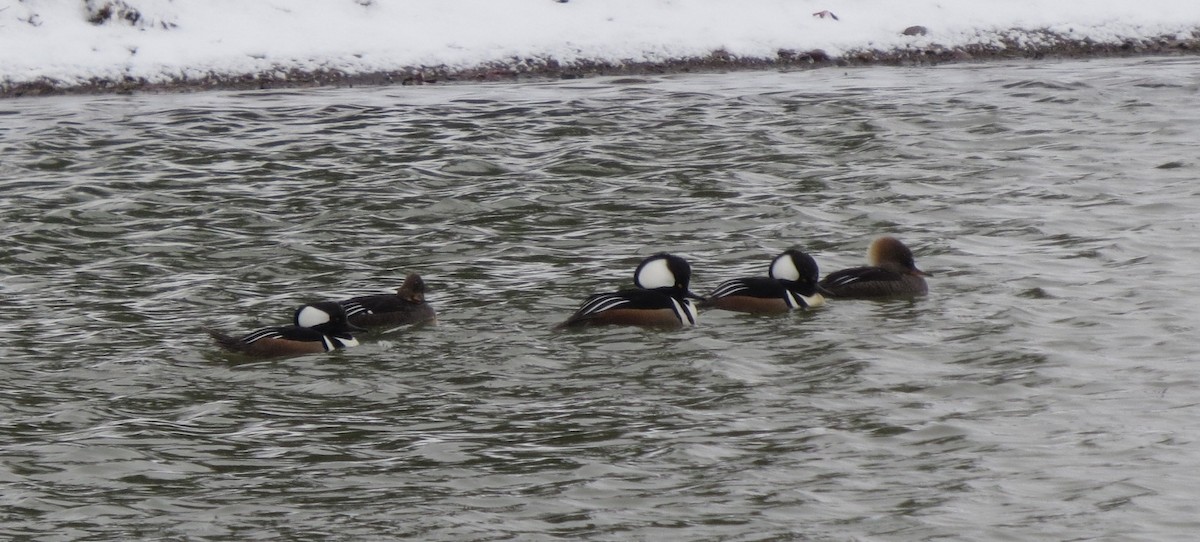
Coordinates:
[660,299]
[318,327]
[791,284]
[406,306]
[892,273]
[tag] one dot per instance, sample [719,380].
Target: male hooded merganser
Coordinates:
[660,300]
[791,284]
[319,327]
[892,273]
[406,306]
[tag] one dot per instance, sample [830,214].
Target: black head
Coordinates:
[796,266]
[665,270]
[798,270]
[328,317]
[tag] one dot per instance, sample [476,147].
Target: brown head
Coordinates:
[413,289]
[890,253]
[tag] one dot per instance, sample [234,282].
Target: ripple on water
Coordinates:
[1042,390]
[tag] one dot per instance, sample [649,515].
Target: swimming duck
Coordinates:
[791,283]
[318,327]
[406,306]
[661,298]
[892,273]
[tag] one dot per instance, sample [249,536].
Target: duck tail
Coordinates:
[226,341]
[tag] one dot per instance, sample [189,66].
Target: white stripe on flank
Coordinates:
[728,287]
[354,308]
[845,280]
[602,303]
[261,334]
[684,311]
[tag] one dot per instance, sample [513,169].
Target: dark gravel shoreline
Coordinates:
[1016,46]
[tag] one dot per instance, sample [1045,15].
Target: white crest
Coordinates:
[311,316]
[784,268]
[655,274]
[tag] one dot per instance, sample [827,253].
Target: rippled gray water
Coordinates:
[1045,389]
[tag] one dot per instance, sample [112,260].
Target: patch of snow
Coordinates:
[160,40]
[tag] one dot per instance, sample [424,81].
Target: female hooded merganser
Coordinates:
[892,273]
[660,300]
[791,284]
[406,306]
[319,327]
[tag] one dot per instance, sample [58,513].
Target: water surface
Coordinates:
[1042,390]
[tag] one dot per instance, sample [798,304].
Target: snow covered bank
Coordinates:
[55,46]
